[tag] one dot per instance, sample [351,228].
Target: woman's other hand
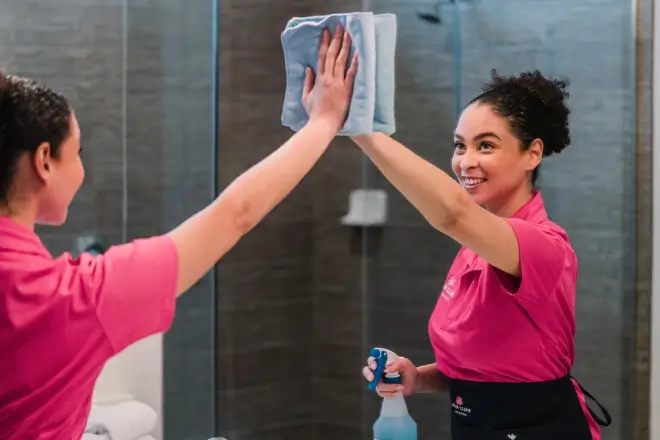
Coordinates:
[406,369]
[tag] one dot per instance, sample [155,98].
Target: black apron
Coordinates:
[520,411]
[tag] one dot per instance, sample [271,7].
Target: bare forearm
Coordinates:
[208,235]
[430,380]
[437,196]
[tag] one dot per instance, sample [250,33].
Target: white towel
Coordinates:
[122,421]
[88,436]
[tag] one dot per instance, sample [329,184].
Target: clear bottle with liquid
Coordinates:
[394,422]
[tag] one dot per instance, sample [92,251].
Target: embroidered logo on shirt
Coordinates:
[459,407]
[448,288]
[512,436]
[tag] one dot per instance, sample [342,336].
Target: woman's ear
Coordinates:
[42,161]
[535,152]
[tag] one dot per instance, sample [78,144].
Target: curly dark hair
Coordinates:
[534,106]
[30,114]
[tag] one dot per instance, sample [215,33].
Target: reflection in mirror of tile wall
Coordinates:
[307,296]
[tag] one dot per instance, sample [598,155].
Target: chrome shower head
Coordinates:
[429,17]
[433,17]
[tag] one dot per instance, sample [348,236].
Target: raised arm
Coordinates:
[204,238]
[442,201]
[132,288]
[208,235]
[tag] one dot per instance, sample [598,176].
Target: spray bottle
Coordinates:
[394,422]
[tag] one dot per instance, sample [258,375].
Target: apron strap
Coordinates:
[601,422]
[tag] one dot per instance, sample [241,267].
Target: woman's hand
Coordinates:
[327,93]
[406,369]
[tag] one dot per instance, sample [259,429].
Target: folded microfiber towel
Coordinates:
[374,39]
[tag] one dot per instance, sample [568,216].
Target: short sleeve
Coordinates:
[542,259]
[133,289]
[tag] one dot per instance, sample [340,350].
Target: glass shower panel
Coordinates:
[170,102]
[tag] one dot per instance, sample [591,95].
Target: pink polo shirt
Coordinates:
[62,319]
[489,327]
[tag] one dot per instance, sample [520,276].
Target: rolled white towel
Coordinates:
[88,436]
[128,420]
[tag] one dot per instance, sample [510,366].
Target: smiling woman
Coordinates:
[511,289]
[503,134]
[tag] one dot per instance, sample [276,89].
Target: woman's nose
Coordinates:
[469,160]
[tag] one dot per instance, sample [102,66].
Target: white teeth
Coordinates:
[470,181]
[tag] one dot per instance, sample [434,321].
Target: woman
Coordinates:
[504,324]
[62,319]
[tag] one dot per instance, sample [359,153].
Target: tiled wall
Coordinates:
[171,175]
[78,48]
[265,308]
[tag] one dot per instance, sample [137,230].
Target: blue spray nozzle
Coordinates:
[380,357]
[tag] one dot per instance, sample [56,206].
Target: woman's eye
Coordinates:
[485,146]
[459,146]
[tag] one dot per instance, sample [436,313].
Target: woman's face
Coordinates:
[488,158]
[61,177]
